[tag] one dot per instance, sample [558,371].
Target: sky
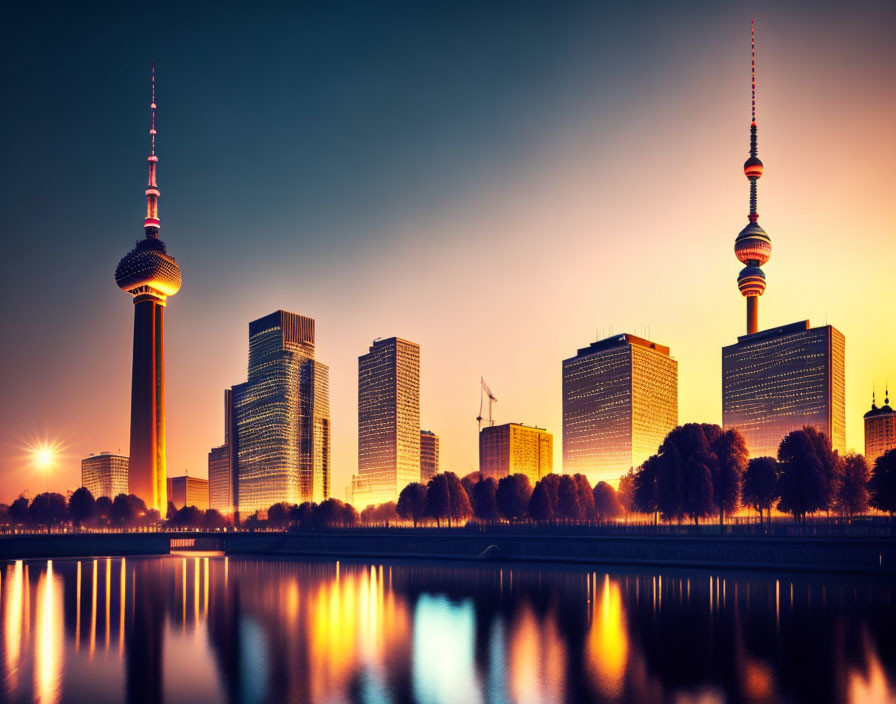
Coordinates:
[500,182]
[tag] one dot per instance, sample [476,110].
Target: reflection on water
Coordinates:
[210,628]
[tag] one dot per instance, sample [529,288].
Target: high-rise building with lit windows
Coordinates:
[620,400]
[280,426]
[220,495]
[514,448]
[779,380]
[880,429]
[105,474]
[429,455]
[188,491]
[388,420]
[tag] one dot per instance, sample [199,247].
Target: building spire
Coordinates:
[753,246]
[151,224]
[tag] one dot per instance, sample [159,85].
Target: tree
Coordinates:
[606,502]
[278,515]
[412,502]
[644,494]
[171,511]
[882,485]
[186,517]
[807,481]
[446,498]
[152,518]
[568,506]
[484,500]
[378,514]
[852,489]
[19,514]
[625,494]
[684,485]
[512,496]
[759,488]
[302,514]
[541,505]
[459,500]
[81,507]
[731,457]
[469,481]
[586,496]
[127,510]
[103,510]
[332,513]
[213,519]
[48,509]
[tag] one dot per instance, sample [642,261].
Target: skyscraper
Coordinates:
[781,379]
[388,420]
[429,455]
[880,429]
[514,448]
[150,275]
[280,437]
[220,495]
[188,491]
[620,400]
[105,474]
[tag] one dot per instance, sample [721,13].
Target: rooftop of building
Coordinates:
[105,453]
[781,331]
[427,432]
[516,425]
[620,341]
[380,341]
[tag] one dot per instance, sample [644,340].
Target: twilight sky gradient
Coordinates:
[495,181]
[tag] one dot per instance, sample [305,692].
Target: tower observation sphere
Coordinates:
[150,275]
[752,246]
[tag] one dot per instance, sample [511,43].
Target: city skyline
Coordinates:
[805,237]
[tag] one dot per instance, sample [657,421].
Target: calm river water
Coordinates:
[215,629]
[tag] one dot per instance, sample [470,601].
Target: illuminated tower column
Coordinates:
[150,275]
[753,246]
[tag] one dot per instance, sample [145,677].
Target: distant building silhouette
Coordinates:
[280,422]
[880,429]
[150,275]
[779,380]
[188,491]
[620,400]
[105,474]
[514,448]
[220,483]
[429,455]
[388,420]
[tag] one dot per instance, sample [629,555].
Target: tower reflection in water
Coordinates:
[208,629]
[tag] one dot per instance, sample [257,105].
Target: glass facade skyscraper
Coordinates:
[105,474]
[220,495]
[280,428]
[880,430]
[781,379]
[620,400]
[514,448]
[388,420]
[188,491]
[429,455]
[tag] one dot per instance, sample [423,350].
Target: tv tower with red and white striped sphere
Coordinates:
[753,246]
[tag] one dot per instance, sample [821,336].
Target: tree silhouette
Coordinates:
[459,501]
[484,500]
[808,469]
[684,474]
[512,496]
[882,485]
[81,506]
[852,489]
[379,514]
[301,515]
[541,504]
[644,496]
[568,506]
[186,516]
[19,513]
[447,499]
[606,502]
[126,511]
[332,513]
[727,468]
[213,519]
[759,488]
[412,502]
[625,494]
[585,495]
[469,481]
[278,515]
[103,509]
[48,509]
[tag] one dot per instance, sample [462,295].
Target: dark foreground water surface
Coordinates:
[215,629]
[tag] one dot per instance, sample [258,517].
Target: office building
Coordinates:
[220,494]
[280,417]
[514,448]
[779,380]
[388,420]
[188,491]
[880,429]
[620,400]
[105,474]
[429,455]
[151,276]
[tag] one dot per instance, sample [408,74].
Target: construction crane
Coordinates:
[483,393]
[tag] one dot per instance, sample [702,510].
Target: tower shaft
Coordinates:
[752,314]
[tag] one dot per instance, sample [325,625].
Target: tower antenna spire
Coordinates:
[753,246]
[151,224]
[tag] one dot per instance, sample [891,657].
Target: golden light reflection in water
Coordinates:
[871,685]
[13,625]
[92,648]
[608,640]
[48,644]
[537,658]
[108,596]
[78,609]
[122,598]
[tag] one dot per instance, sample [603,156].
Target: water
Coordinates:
[215,629]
